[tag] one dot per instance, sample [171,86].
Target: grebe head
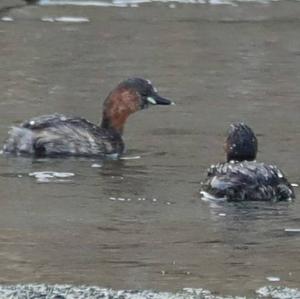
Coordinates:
[128,97]
[241,143]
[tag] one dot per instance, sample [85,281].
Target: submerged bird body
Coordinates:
[57,134]
[247,181]
[241,178]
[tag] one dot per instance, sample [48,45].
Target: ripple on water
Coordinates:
[51,176]
[77,3]
[210,198]
[130,158]
[66,19]
[292,230]
[124,199]
[273,278]
[96,165]
[7,19]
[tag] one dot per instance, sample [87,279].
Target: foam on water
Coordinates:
[278,292]
[123,3]
[91,292]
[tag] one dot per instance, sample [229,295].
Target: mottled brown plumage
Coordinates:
[241,178]
[57,134]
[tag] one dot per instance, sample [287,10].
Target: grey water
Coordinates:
[139,222]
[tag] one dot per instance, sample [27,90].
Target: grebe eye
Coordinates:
[146,92]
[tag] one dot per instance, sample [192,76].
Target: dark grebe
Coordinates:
[241,178]
[57,134]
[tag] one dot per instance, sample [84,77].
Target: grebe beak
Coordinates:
[155,99]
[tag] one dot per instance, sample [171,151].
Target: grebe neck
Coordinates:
[117,107]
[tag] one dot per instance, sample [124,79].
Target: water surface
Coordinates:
[140,223]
